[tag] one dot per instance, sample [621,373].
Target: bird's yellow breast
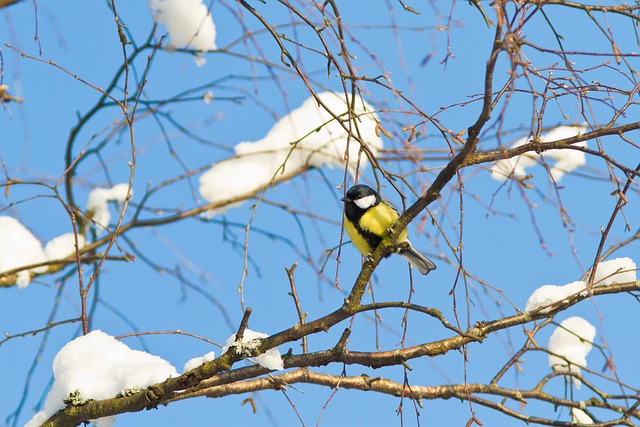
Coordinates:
[372,227]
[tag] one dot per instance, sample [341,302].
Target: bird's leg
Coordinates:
[395,248]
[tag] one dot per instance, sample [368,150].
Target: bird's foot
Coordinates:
[400,247]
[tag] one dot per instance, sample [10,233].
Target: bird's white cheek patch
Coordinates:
[366,202]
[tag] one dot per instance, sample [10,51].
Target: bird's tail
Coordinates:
[418,260]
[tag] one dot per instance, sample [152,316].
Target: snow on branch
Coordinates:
[97,366]
[188,22]
[569,345]
[565,160]
[308,136]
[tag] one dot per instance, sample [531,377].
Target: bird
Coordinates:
[368,218]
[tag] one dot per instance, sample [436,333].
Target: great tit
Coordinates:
[368,219]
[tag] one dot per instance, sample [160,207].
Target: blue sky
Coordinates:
[165,293]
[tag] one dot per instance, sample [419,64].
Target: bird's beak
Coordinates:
[345,199]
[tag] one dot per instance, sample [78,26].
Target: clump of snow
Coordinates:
[197,361]
[270,359]
[97,366]
[188,22]
[98,199]
[63,246]
[566,160]
[236,178]
[570,343]
[319,139]
[549,294]
[514,166]
[579,416]
[619,270]
[19,247]
[307,136]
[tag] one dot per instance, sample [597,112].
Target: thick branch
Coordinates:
[217,371]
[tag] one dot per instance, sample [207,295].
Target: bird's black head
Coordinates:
[362,196]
